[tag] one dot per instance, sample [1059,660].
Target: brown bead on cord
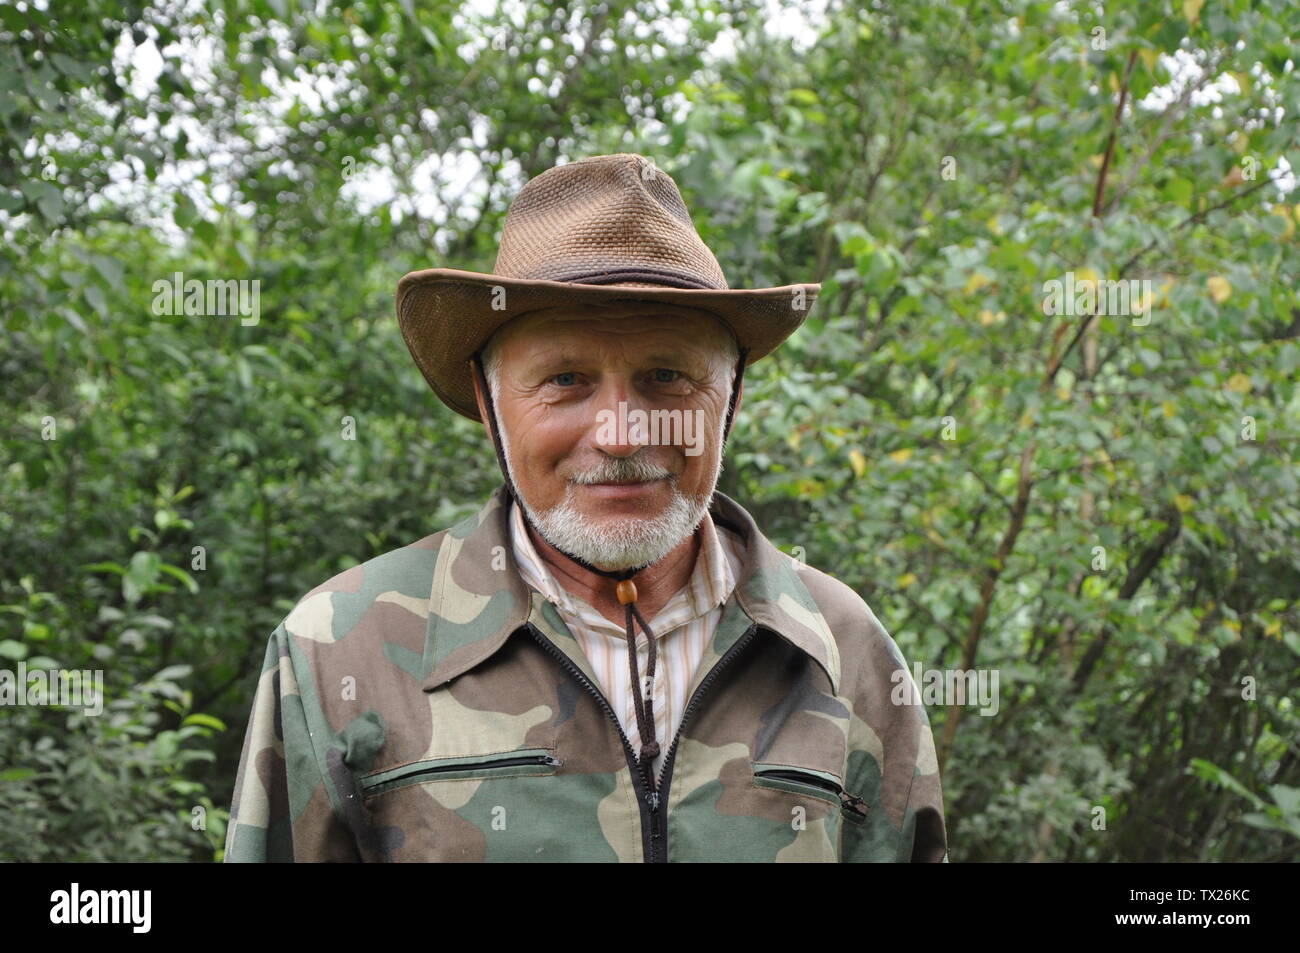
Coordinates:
[650,751]
[626,592]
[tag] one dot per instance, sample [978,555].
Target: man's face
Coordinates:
[593,488]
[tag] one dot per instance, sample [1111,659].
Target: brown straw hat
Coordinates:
[600,230]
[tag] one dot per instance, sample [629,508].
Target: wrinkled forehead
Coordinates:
[701,328]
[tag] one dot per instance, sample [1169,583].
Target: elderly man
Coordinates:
[609,661]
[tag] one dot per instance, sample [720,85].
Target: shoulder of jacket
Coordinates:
[840,604]
[850,619]
[403,576]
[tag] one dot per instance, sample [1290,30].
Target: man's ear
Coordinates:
[479,398]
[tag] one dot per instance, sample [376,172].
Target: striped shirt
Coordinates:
[683,627]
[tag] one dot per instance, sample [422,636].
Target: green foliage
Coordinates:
[1282,813]
[106,781]
[1105,511]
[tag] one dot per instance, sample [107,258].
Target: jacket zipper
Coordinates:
[654,826]
[666,776]
[848,802]
[502,763]
[647,800]
[408,777]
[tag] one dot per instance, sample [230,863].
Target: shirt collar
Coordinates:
[479,597]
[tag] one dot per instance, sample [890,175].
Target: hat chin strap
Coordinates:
[625,591]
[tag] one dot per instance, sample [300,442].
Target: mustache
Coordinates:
[633,469]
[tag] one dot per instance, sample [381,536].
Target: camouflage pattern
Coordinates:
[427,706]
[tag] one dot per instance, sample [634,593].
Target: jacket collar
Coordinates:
[479,599]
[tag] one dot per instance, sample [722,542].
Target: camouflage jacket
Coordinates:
[427,706]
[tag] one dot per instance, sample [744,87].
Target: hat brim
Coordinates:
[447,315]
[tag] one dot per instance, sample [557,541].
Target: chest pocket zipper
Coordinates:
[798,781]
[523,763]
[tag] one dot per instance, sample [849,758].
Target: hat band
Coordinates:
[670,278]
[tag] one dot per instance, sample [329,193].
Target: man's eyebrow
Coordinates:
[552,360]
[682,357]
[657,358]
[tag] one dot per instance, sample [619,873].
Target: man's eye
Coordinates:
[663,375]
[565,379]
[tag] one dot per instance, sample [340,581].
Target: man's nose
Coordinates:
[616,430]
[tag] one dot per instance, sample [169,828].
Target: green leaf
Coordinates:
[173,672]
[180,574]
[46,197]
[1287,798]
[207,721]
[110,269]
[95,298]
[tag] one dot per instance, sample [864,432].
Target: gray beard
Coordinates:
[628,544]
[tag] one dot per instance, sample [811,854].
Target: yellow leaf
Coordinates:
[1273,628]
[1084,274]
[987,317]
[1184,502]
[1220,290]
[901,456]
[858,462]
[1243,81]
[1240,383]
[1149,57]
[1095,160]
[793,438]
[993,225]
[810,488]
[1168,407]
[1114,83]
[1192,10]
[1239,143]
[905,580]
[1163,300]
[975,282]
